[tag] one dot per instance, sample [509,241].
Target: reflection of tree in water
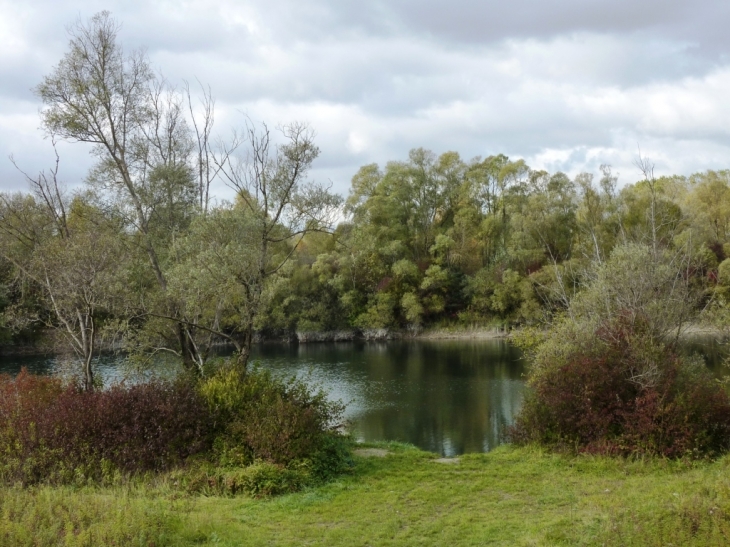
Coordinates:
[714,351]
[446,396]
[449,397]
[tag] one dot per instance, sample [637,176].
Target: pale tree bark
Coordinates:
[72,266]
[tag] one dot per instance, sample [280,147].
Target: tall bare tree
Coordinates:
[277,206]
[101,95]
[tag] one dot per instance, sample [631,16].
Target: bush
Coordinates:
[52,433]
[626,393]
[254,434]
[275,421]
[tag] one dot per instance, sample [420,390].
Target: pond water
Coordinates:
[445,396]
[448,397]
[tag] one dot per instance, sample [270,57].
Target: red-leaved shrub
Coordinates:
[53,433]
[630,395]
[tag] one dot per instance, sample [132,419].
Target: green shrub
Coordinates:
[259,479]
[285,423]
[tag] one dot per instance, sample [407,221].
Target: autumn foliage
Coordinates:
[627,394]
[51,432]
[60,434]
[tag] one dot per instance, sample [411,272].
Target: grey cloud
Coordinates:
[33,154]
[18,79]
[479,21]
[378,78]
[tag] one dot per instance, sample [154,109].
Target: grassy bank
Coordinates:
[508,497]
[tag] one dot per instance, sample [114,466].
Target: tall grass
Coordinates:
[61,516]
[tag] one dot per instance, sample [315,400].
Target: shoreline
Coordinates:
[696,331]
[368,335]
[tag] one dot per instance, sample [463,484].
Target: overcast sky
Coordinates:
[565,84]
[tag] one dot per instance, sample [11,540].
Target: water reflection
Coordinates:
[108,369]
[713,350]
[449,397]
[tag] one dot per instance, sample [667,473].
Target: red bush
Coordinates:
[48,432]
[595,403]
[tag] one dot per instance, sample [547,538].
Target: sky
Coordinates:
[566,85]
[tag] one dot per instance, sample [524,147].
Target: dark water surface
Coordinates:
[450,396]
[446,396]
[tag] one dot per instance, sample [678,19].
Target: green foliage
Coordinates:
[607,377]
[412,308]
[283,423]
[723,273]
[379,314]
[259,479]
[428,239]
[507,295]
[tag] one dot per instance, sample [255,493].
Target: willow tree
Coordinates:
[111,99]
[229,255]
[277,206]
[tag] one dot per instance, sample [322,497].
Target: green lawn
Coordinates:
[512,496]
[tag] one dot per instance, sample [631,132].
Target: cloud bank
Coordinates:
[565,84]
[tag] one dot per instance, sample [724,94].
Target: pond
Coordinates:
[445,396]
[449,397]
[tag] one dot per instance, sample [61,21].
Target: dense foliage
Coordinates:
[277,421]
[418,249]
[438,240]
[145,257]
[608,376]
[55,433]
[58,434]
[623,393]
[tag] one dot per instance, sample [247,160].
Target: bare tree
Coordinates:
[663,217]
[74,265]
[202,120]
[279,207]
[158,172]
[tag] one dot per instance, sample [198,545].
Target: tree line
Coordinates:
[439,241]
[143,255]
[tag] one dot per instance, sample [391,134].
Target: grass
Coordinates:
[512,496]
